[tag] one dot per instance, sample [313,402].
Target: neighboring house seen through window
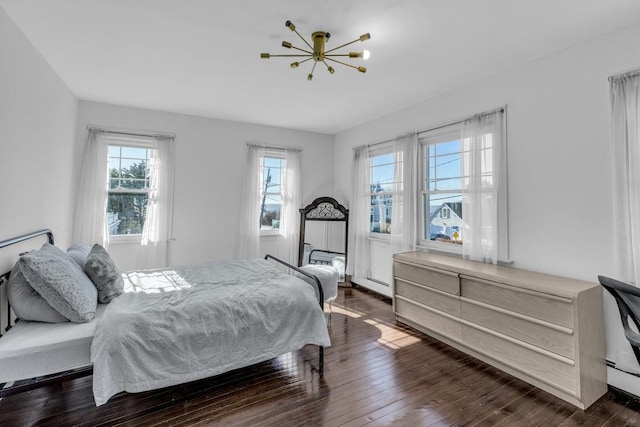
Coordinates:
[381,175]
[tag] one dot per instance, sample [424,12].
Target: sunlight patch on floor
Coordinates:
[340,310]
[392,337]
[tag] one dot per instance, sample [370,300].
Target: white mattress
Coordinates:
[33,349]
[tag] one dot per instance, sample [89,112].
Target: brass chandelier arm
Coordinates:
[361,69]
[290,56]
[302,38]
[308,59]
[301,50]
[346,44]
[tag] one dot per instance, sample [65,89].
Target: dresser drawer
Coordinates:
[434,278]
[556,371]
[428,318]
[439,300]
[549,336]
[550,308]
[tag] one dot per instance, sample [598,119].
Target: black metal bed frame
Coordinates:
[34,383]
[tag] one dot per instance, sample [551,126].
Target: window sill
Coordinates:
[380,237]
[443,248]
[125,239]
[270,233]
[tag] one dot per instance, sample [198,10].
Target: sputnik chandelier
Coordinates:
[318,52]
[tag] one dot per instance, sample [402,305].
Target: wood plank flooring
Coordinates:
[376,373]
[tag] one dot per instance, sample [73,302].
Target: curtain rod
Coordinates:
[485,113]
[626,75]
[131,132]
[274,147]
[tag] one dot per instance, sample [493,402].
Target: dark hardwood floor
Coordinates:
[376,372]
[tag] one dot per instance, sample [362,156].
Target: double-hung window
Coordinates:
[128,186]
[272,170]
[381,174]
[463,188]
[441,187]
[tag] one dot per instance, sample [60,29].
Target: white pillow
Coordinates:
[27,304]
[61,282]
[79,253]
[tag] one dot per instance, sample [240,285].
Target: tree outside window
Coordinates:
[271,193]
[128,192]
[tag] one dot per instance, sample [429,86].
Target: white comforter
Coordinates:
[173,326]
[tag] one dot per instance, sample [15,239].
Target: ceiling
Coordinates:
[202,57]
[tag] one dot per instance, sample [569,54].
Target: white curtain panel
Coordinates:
[625,111]
[483,162]
[624,94]
[248,245]
[157,224]
[405,184]
[290,221]
[89,215]
[358,264]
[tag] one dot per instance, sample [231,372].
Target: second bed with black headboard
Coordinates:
[169,326]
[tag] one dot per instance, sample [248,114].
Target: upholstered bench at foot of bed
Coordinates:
[35,349]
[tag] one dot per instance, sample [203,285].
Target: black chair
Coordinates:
[628,299]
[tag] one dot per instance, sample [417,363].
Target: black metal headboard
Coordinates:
[5,277]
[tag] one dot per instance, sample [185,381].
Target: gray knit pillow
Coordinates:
[61,282]
[104,274]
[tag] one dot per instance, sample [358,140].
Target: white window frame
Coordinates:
[133,141]
[427,138]
[448,133]
[382,149]
[280,155]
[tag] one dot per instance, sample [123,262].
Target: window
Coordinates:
[381,175]
[463,188]
[271,192]
[128,190]
[441,186]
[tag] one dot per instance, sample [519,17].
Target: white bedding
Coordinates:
[328,277]
[177,325]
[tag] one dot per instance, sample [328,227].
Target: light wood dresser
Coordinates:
[546,330]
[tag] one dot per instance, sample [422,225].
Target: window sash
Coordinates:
[377,161]
[271,155]
[119,142]
[429,180]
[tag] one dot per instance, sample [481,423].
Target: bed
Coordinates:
[170,326]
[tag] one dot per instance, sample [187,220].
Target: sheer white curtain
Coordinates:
[290,218]
[359,214]
[248,245]
[624,94]
[405,183]
[484,185]
[625,112]
[89,216]
[157,224]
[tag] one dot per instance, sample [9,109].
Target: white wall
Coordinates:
[559,155]
[210,158]
[37,124]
